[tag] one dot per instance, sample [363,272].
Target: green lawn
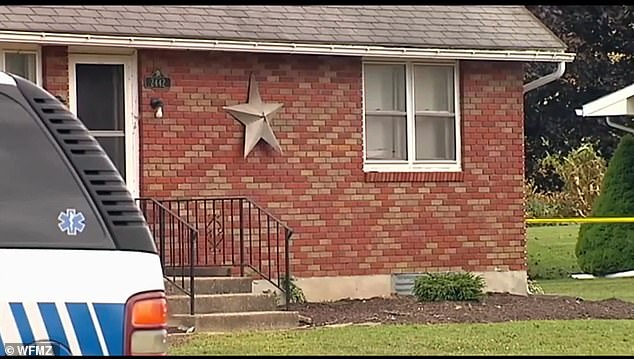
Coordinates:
[591,289]
[551,260]
[551,251]
[575,337]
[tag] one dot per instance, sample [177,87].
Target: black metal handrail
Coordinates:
[236,232]
[176,243]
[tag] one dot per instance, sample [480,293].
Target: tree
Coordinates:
[603,39]
[609,247]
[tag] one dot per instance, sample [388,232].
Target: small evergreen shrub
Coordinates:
[604,248]
[462,286]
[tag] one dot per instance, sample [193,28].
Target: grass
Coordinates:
[591,289]
[595,337]
[551,251]
[551,261]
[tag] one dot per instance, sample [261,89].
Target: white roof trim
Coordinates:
[618,103]
[279,47]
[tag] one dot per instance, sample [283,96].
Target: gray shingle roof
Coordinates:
[481,27]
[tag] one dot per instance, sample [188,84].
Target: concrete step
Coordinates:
[213,285]
[222,303]
[232,322]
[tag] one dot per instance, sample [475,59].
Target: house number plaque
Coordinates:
[158,81]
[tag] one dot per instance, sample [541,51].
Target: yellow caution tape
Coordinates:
[582,220]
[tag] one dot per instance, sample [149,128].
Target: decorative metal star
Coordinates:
[256,116]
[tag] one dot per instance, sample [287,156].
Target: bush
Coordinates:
[534,288]
[434,287]
[581,171]
[608,248]
[296,294]
[543,205]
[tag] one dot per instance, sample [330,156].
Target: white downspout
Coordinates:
[561,68]
[617,126]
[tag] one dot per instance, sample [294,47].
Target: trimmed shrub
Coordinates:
[609,247]
[434,287]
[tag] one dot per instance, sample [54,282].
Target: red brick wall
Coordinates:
[55,70]
[346,222]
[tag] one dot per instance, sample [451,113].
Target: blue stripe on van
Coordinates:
[1,346]
[53,323]
[111,320]
[21,320]
[84,328]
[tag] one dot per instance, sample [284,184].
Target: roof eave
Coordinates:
[546,55]
[614,104]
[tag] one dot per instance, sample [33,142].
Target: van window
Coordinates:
[42,203]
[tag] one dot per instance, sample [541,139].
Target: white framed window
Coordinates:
[24,61]
[411,116]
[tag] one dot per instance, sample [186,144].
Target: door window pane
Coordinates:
[115,148]
[386,137]
[435,138]
[384,88]
[434,88]
[21,64]
[100,96]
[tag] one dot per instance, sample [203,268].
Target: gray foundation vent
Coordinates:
[404,283]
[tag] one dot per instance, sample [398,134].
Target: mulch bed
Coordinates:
[492,308]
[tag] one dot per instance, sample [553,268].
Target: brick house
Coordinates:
[401,127]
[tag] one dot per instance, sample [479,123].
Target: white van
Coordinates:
[79,270]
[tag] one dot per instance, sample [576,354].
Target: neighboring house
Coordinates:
[616,104]
[401,127]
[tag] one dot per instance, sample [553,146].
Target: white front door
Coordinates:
[102,93]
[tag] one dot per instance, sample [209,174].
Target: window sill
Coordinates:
[414,176]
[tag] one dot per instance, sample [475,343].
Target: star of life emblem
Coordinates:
[71,222]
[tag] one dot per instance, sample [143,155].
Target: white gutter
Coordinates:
[561,68]
[278,47]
